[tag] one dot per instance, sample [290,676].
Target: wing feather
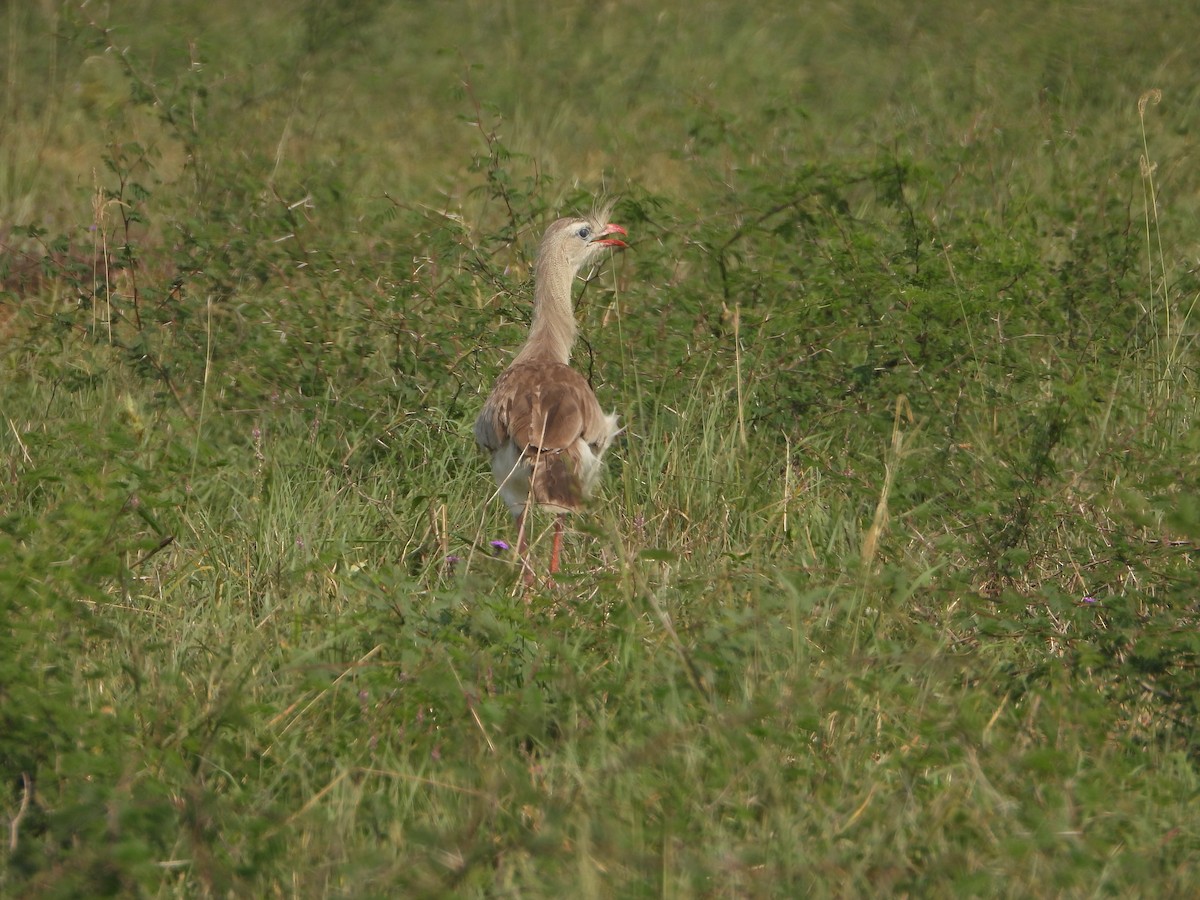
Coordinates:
[555,424]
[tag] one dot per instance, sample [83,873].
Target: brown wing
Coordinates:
[545,406]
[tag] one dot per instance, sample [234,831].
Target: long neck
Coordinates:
[553,331]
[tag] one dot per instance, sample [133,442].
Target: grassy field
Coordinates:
[891,586]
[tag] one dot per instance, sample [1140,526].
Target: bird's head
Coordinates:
[576,241]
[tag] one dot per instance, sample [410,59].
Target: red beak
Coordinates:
[612,242]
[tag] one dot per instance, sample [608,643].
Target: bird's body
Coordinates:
[546,433]
[542,424]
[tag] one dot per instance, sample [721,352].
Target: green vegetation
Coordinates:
[891,587]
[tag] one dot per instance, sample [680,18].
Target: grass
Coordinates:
[891,584]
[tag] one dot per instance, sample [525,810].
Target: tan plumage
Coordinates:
[542,424]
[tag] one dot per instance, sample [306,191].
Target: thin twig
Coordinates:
[20,443]
[471,706]
[15,824]
[275,721]
[162,545]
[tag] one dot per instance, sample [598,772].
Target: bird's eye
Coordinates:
[585,231]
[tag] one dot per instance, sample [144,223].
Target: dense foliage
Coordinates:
[892,584]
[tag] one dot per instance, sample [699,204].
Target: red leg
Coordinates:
[557,550]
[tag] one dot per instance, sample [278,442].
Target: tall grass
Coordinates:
[890,585]
[1169,314]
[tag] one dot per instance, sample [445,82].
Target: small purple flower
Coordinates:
[452,559]
[499,546]
[1090,600]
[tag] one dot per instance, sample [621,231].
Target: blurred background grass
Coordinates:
[891,587]
[376,91]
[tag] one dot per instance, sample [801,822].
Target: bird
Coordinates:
[542,424]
